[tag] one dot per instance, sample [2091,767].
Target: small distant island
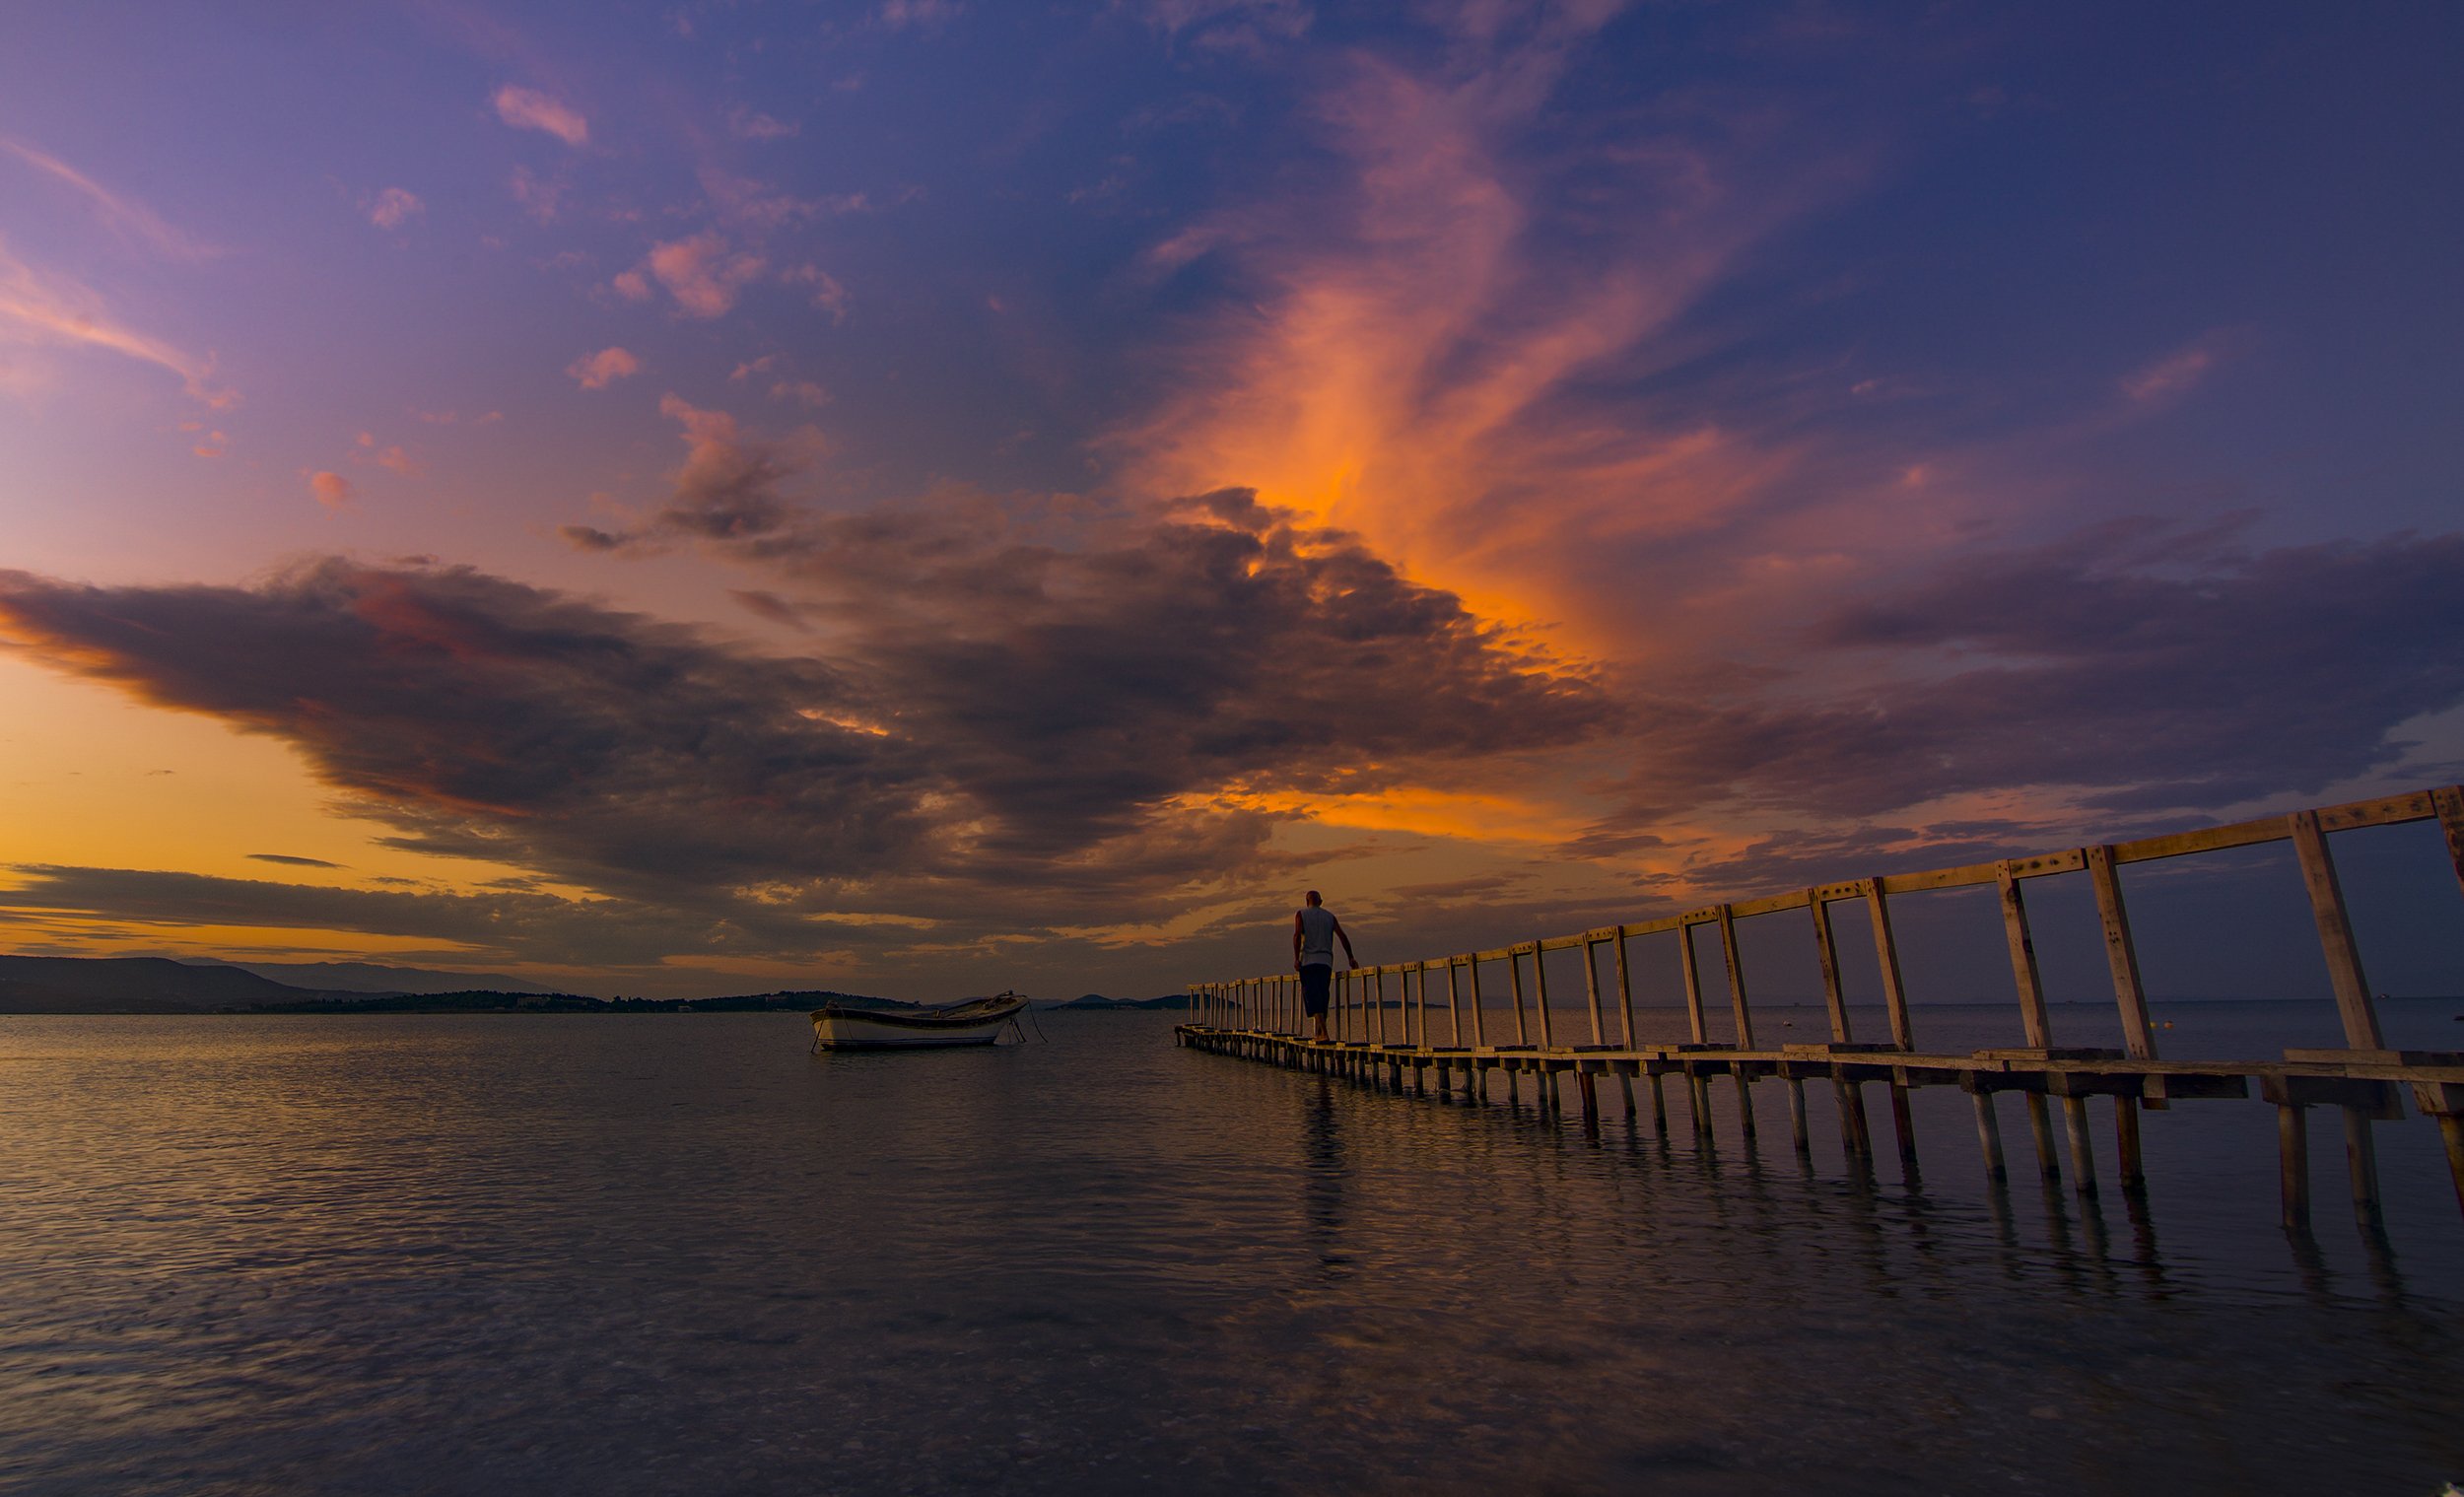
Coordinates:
[56,985]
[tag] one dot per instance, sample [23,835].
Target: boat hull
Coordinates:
[840,1032]
[978,1021]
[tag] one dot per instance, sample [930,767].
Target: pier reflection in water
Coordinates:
[563,1255]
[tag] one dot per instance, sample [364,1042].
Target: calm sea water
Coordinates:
[678,1254]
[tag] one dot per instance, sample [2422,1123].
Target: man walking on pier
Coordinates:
[1315,931]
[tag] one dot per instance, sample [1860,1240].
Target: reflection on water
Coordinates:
[663,1254]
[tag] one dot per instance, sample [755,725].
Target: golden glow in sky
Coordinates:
[930,502]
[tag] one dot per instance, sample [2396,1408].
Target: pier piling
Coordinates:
[1989,1135]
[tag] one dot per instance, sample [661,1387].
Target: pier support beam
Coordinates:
[2040,1127]
[1856,1134]
[2083,1151]
[2126,1144]
[2361,1153]
[1989,1135]
[2452,1131]
[2293,1164]
[1904,1125]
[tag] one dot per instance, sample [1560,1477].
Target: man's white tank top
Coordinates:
[1317,936]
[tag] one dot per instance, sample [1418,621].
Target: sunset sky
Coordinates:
[932,495]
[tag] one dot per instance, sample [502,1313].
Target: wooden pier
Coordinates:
[1259,1020]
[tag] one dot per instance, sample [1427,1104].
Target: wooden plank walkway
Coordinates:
[1259,1020]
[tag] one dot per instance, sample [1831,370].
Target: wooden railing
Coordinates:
[2360,1077]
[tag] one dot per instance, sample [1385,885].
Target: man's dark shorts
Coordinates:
[1313,981]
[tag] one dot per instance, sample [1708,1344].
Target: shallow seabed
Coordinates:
[677,1253]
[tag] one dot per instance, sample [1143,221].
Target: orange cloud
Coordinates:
[394,207]
[828,295]
[702,273]
[596,372]
[539,197]
[124,216]
[331,489]
[40,310]
[1413,365]
[530,109]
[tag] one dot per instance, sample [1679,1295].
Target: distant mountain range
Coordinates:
[158,985]
[369,977]
[1098,1000]
[131,984]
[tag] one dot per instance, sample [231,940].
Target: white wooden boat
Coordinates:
[977,1021]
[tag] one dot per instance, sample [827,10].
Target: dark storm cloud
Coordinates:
[288,860]
[489,718]
[999,731]
[2144,671]
[1213,645]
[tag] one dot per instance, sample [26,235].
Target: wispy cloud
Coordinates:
[752,124]
[123,215]
[596,372]
[541,197]
[2147,672]
[394,207]
[1423,323]
[921,15]
[331,489]
[1246,27]
[2169,376]
[703,272]
[530,110]
[826,294]
[393,458]
[39,309]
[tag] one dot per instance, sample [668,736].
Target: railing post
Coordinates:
[1735,980]
[2130,996]
[1453,1009]
[1827,951]
[1479,1029]
[1694,982]
[2023,958]
[1887,957]
[1514,983]
[2335,933]
[1540,992]
[1590,986]
[1625,991]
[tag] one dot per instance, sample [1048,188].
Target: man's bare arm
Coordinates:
[1346,937]
[1296,930]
